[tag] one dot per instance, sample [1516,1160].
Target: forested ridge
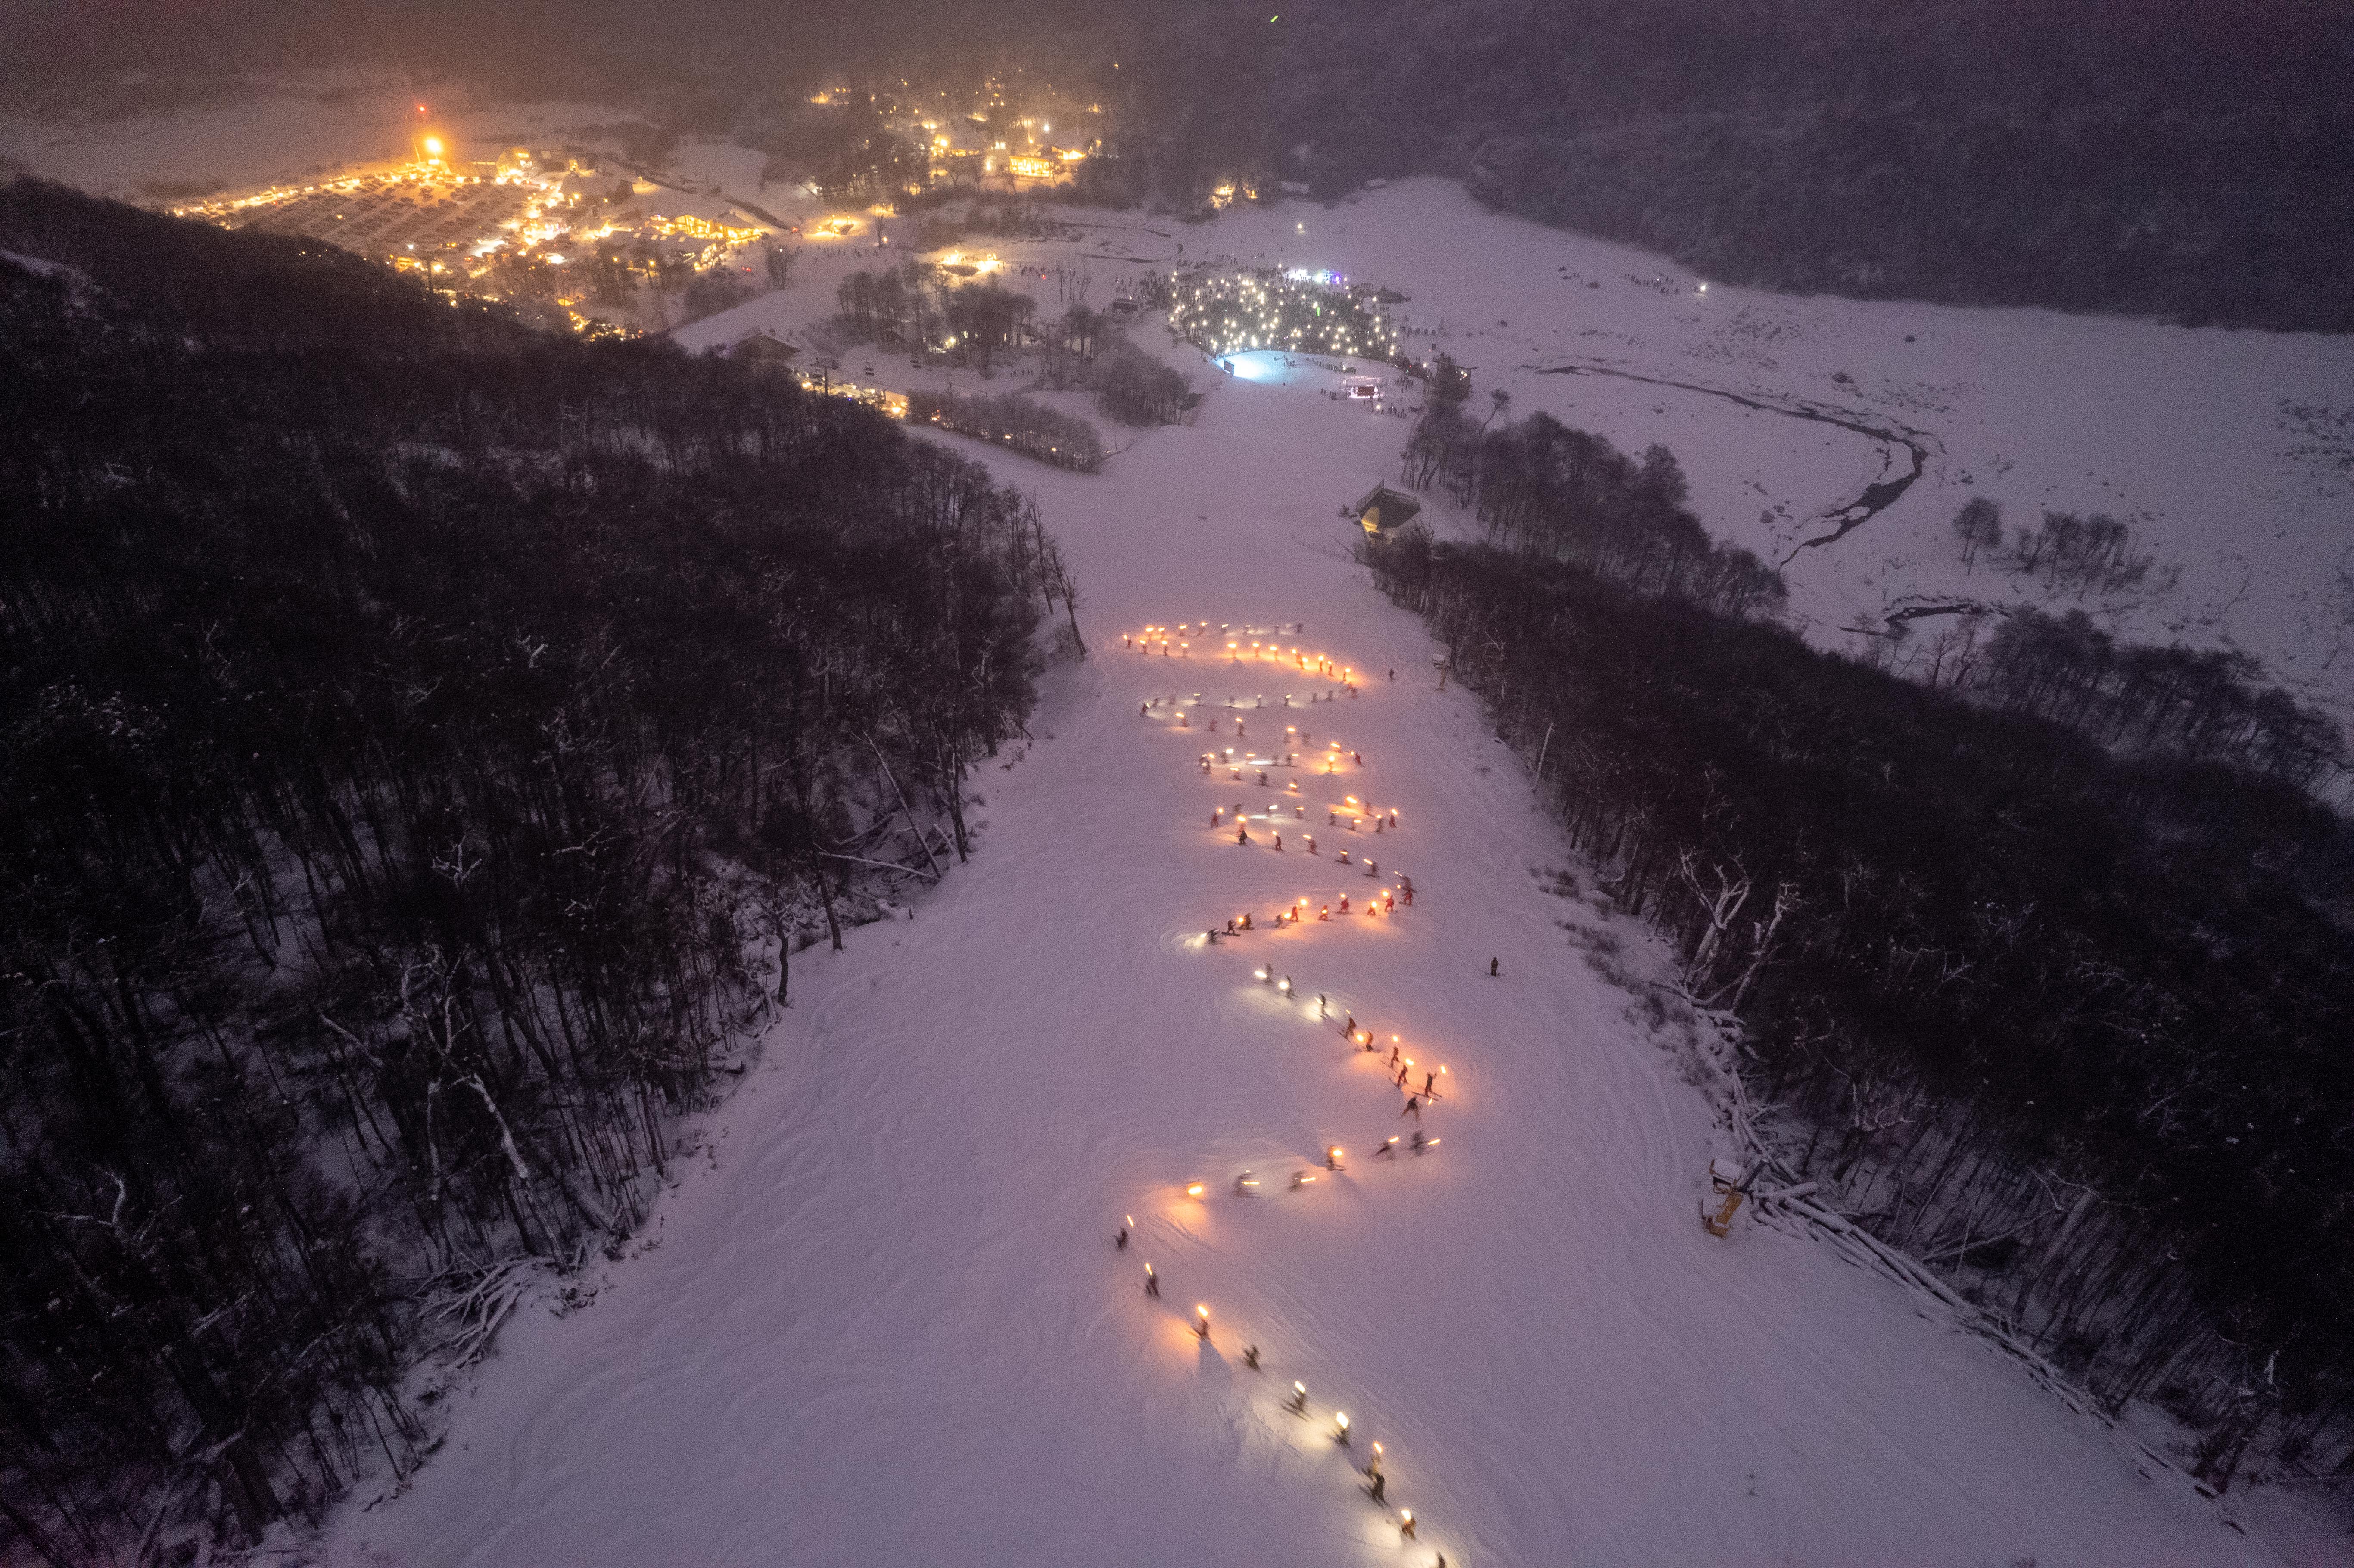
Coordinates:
[422,742]
[2189,160]
[2069,1025]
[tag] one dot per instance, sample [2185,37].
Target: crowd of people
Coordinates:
[1419,1086]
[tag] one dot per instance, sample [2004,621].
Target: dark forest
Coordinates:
[427,740]
[2068,1020]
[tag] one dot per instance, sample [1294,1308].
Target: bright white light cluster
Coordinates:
[1302,311]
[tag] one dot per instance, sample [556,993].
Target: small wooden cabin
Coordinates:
[1383,511]
[763,351]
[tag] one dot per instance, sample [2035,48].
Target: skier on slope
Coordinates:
[1413,1109]
[1494,968]
[1242,834]
[1152,1282]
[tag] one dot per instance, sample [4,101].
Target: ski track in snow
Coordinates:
[885,1323]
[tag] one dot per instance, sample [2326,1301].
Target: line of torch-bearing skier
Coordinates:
[1244,647]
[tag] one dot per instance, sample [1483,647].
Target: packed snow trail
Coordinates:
[885,1322]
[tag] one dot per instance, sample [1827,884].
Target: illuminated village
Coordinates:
[984,139]
[577,236]
[537,230]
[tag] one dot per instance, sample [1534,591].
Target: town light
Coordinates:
[433,147]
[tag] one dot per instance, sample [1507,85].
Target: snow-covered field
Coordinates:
[882,1319]
[885,1321]
[2230,453]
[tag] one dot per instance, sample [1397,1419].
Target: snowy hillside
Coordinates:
[883,1320]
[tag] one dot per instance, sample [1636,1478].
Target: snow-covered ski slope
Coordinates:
[884,1322]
